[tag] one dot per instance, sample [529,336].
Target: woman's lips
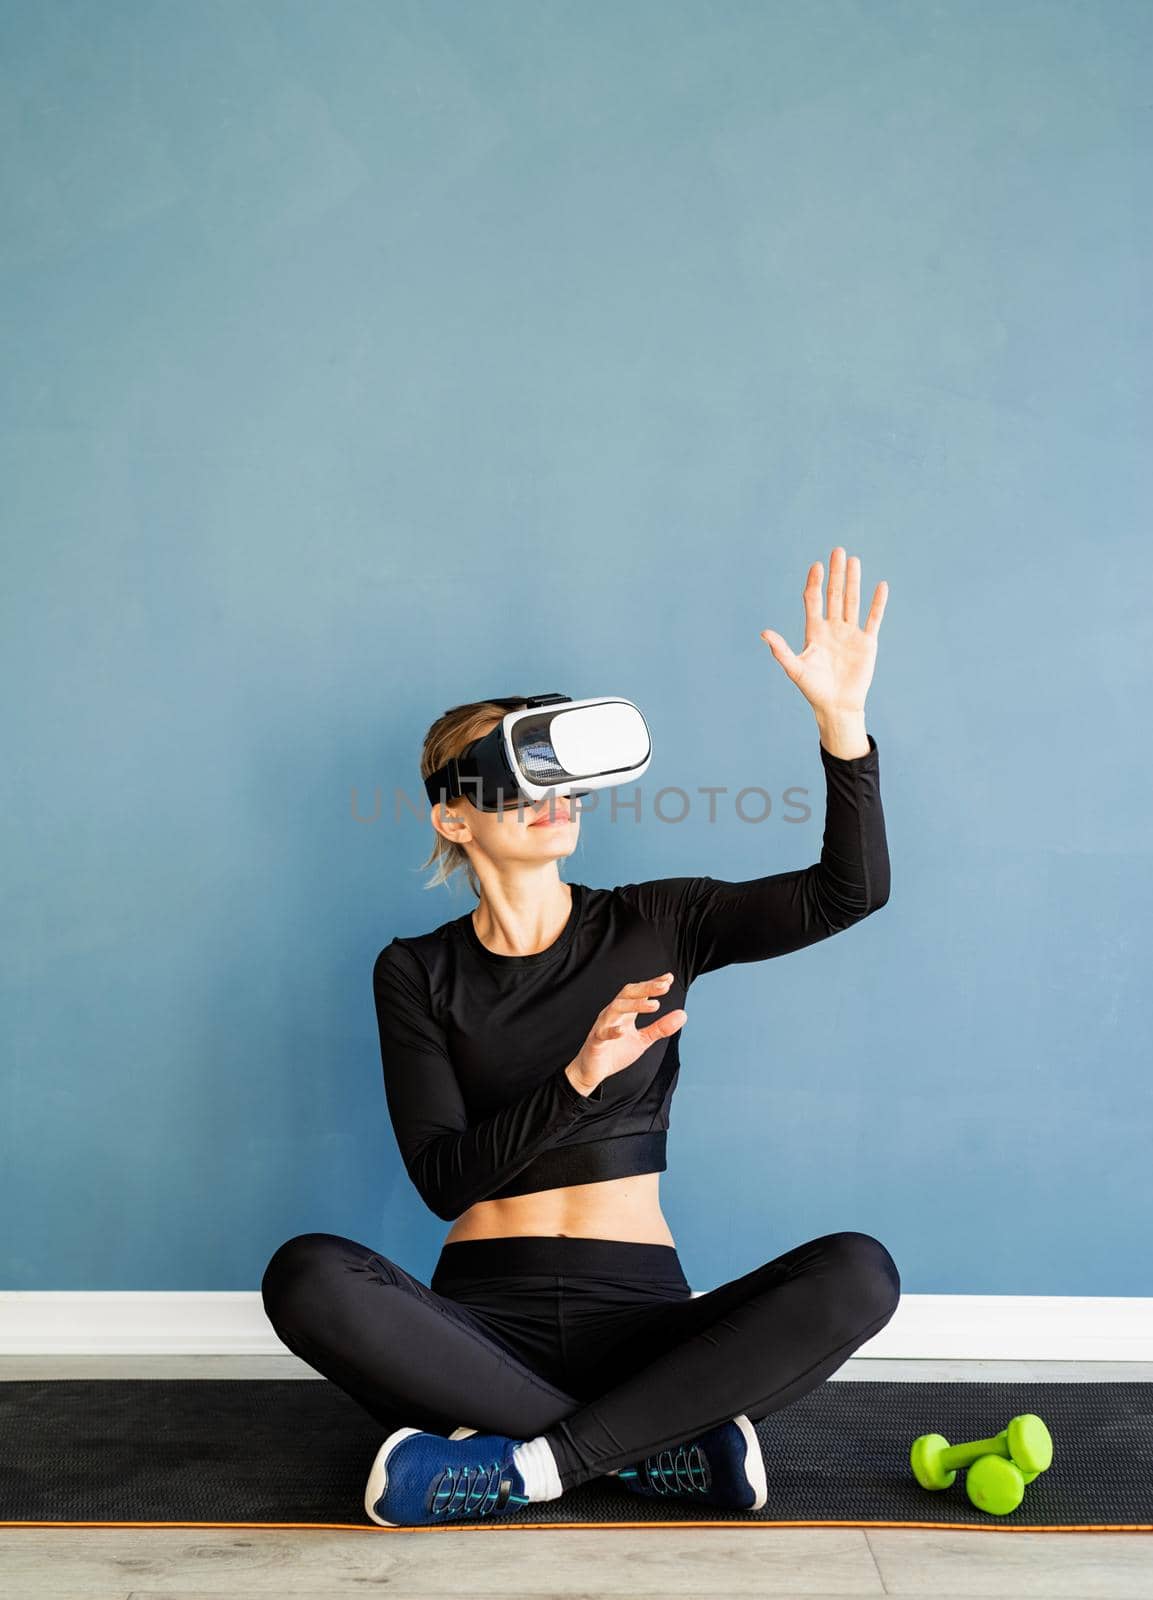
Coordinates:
[550,822]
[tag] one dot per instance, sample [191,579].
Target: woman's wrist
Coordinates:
[843,733]
[578,1083]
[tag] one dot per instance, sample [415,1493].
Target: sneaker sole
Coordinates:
[378,1477]
[754,1463]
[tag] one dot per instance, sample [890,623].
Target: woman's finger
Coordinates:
[877,609]
[782,652]
[836,600]
[812,599]
[635,995]
[634,1003]
[609,1028]
[853,590]
[663,1026]
[645,986]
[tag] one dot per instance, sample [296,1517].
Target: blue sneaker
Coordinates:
[723,1467]
[420,1478]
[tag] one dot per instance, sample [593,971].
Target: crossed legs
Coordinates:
[413,1357]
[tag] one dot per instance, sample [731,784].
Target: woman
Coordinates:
[558,1338]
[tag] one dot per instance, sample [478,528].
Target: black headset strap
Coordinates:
[448,775]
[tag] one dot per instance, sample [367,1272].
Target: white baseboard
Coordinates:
[925,1326]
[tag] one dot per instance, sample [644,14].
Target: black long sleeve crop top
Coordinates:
[474,1044]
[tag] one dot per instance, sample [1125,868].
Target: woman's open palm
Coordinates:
[835,668]
[615,1041]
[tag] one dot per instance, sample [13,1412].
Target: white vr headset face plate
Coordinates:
[599,742]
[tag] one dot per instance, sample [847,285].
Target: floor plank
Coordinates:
[712,1561]
[1057,1566]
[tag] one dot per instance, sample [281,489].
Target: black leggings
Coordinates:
[598,1344]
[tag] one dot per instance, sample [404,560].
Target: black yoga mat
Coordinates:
[296,1453]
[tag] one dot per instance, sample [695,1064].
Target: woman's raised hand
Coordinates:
[615,1041]
[835,668]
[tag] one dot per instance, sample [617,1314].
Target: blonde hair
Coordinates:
[449,736]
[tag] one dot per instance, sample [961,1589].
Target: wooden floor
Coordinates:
[188,1564]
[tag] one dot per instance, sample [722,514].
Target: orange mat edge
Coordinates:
[545,1527]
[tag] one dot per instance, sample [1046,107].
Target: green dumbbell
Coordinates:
[996,1485]
[1025,1446]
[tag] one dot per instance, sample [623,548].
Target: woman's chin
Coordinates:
[556,841]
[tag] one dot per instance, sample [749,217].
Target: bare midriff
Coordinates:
[628,1209]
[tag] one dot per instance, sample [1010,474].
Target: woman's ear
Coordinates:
[448,826]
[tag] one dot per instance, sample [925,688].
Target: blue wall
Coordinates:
[365,359]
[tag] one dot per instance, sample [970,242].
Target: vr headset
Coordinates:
[547,744]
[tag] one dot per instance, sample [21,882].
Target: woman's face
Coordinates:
[542,830]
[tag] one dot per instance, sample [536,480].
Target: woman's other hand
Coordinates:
[615,1041]
[835,668]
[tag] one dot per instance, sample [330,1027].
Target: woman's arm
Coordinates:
[713,923]
[452,1164]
